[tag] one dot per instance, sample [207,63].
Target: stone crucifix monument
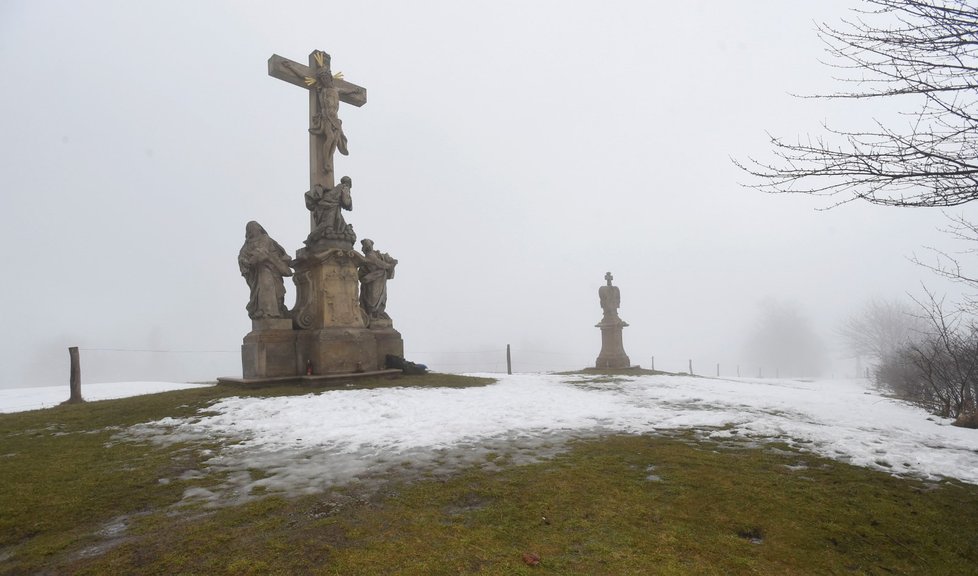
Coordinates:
[612,351]
[333,328]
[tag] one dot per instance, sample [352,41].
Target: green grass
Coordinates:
[63,477]
[614,505]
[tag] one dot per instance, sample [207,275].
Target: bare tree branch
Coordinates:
[923,52]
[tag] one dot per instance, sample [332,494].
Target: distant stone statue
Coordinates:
[612,351]
[327,212]
[610,297]
[376,269]
[264,263]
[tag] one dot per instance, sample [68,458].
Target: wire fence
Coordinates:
[160,351]
[194,365]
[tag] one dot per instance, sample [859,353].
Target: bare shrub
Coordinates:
[940,370]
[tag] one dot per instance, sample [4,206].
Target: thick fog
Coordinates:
[509,154]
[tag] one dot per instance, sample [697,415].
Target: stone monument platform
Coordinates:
[329,332]
[322,381]
[339,328]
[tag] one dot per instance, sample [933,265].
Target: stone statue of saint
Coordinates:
[612,352]
[264,263]
[376,269]
[327,212]
[610,298]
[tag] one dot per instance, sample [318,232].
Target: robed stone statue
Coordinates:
[610,297]
[263,263]
[376,269]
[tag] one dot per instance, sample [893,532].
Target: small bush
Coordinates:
[967,419]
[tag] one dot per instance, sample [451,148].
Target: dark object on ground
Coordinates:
[399,363]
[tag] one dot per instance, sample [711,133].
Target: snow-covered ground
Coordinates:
[305,443]
[23,399]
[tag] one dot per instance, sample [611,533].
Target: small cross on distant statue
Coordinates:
[326,91]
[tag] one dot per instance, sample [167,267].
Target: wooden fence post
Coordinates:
[509,361]
[74,381]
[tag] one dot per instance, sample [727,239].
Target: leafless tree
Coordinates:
[881,328]
[939,370]
[923,53]
[948,265]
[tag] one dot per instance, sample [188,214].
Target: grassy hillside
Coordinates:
[76,499]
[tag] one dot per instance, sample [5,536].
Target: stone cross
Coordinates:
[326,91]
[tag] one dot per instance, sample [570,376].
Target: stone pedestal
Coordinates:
[327,289]
[331,333]
[269,349]
[612,351]
[338,350]
[328,330]
[389,341]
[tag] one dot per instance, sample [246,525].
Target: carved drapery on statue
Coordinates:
[263,263]
[329,229]
[374,272]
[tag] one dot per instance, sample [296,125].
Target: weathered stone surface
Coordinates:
[327,291]
[264,263]
[389,341]
[337,350]
[329,228]
[612,353]
[269,353]
[271,324]
[280,353]
[374,272]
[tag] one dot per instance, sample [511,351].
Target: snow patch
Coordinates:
[303,444]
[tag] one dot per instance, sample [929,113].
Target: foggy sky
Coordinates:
[510,153]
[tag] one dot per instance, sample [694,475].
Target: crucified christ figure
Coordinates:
[327,92]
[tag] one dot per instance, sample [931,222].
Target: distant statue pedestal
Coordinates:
[612,351]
